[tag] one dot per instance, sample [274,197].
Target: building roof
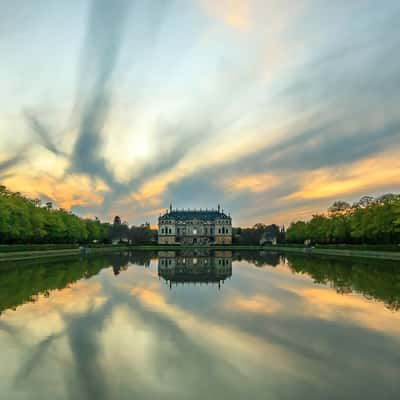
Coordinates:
[186,215]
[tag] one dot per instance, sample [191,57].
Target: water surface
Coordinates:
[200,326]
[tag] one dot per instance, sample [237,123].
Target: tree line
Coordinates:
[258,234]
[26,220]
[368,221]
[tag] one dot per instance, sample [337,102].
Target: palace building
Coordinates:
[195,227]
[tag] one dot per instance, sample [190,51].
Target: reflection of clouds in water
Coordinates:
[45,330]
[326,304]
[88,375]
[181,350]
[255,304]
[35,358]
[267,332]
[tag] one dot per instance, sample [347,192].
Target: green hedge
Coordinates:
[366,247]
[35,247]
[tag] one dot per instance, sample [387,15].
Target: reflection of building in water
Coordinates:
[194,268]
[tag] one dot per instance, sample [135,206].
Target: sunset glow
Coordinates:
[274,109]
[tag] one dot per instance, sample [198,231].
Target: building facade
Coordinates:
[195,227]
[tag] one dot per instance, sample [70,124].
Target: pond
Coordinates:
[200,325]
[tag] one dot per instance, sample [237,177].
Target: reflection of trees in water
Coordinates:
[121,261]
[375,279]
[118,261]
[22,282]
[259,258]
[142,258]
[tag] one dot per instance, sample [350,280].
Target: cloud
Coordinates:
[235,13]
[9,163]
[217,128]
[253,183]
[363,176]
[43,133]
[74,190]
[98,61]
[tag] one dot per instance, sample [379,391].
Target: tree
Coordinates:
[119,232]
[142,235]
[365,201]
[338,206]
[24,220]
[297,232]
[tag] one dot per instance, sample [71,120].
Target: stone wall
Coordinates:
[223,239]
[166,239]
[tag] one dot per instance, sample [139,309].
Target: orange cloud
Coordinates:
[253,183]
[364,175]
[235,13]
[301,213]
[70,191]
[150,192]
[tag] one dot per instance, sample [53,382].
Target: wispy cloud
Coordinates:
[268,107]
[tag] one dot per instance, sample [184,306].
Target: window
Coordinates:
[170,230]
[195,231]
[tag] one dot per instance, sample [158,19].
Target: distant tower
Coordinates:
[219,208]
[170,207]
[117,220]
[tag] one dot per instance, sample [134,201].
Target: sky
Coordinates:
[273,109]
